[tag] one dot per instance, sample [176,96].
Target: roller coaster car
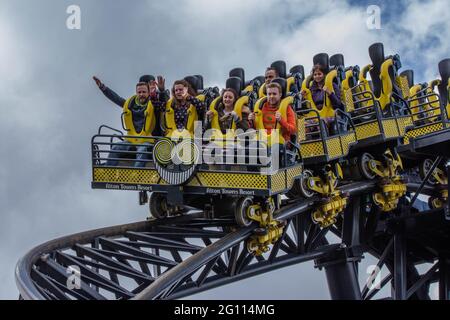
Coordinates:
[178,181]
[431,130]
[318,144]
[380,115]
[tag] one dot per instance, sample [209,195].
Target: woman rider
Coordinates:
[183,109]
[226,113]
[318,91]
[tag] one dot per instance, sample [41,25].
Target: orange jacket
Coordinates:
[288,126]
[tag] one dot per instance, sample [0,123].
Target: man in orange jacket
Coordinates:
[272,118]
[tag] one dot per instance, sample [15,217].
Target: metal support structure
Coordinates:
[429,173]
[341,272]
[400,288]
[180,256]
[444,278]
[352,223]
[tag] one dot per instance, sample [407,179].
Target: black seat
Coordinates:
[298,69]
[260,80]
[194,82]
[444,71]
[280,66]
[199,81]
[337,60]
[376,54]
[323,60]
[234,83]
[409,75]
[237,72]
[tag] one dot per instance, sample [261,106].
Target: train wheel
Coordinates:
[434,203]
[304,189]
[363,164]
[240,214]
[158,205]
[424,168]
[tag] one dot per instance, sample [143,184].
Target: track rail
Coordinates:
[169,259]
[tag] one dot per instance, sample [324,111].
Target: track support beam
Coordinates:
[341,272]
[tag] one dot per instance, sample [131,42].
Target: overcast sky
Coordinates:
[50,107]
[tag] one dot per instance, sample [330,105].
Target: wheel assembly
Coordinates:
[363,165]
[241,211]
[158,205]
[424,168]
[304,187]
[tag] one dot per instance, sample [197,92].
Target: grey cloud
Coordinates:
[51,107]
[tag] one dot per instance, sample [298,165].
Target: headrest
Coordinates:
[193,81]
[337,60]
[376,54]
[200,81]
[323,60]
[298,69]
[280,66]
[146,78]
[283,83]
[355,75]
[234,83]
[237,72]
[444,70]
[260,79]
[397,63]
[409,74]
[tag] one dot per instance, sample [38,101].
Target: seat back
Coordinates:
[199,81]
[376,53]
[297,69]
[444,71]
[194,82]
[337,60]
[234,83]
[237,72]
[280,66]
[323,60]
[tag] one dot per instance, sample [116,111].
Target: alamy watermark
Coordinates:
[374,280]
[73,21]
[373,21]
[235,147]
[74,278]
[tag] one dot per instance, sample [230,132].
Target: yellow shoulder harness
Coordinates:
[149,124]
[171,126]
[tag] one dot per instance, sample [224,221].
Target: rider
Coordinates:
[271,73]
[273,116]
[140,120]
[319,92]
[226,114]
[183,109]
[158,96]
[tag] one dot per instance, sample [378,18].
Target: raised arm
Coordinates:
[110,94]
